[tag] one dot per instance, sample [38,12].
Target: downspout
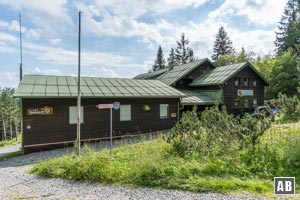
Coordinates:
[222,93]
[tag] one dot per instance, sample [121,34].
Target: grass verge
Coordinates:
[11,155]
[11,142]
[154,164]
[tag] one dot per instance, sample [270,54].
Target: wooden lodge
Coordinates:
[150,102]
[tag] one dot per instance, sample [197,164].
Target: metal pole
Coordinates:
[78,86]
[21,55]
[111,144]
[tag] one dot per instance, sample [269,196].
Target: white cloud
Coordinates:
[13,25]
[50,16]
[262,12]
[104,72]
[44,71]
[55,41]
[9,79]
[7,37]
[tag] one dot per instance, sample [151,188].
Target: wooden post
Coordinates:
[78,85]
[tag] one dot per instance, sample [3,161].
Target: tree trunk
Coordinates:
[10,129]
[4,128]
[17,130]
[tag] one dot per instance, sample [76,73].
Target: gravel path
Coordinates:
[15,183]
[9,149]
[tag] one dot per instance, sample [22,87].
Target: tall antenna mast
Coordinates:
[78,84]
[21,55]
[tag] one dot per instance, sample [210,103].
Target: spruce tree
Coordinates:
[172,59]
[183,53]
[223,44]
[288,35]
[159,62]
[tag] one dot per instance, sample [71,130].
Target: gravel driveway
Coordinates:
[15,183]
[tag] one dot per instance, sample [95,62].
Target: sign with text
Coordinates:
[104,106]
[241,93]
[284,185]
[40,111]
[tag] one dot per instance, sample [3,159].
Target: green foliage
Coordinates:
[153,164]
[11,155]
[283,73]
[222,45]
[172,58]
[159,62]
[290,106]
[233,58]
[9,111]
[215,132]
[11,142]
[183,53]
[289,32]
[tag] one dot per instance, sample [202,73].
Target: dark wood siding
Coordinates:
[56,128]
[230,91]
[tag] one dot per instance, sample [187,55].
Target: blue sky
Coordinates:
[120,38]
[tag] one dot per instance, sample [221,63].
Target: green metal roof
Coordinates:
[151,75]
[220,75]
[178,72]
[33,86]
[196,98]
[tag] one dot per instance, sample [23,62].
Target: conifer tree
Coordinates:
[172,58]
[159,62]
[183,53]
[288,35]
[223,44]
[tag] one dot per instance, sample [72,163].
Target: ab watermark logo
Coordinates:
[284,185]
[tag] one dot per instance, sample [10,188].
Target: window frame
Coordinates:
[246,100]
[238,83]
[246,80]
[254,106]
[168,111]
[238,103]
[254,83]
[75,112]
[124,120]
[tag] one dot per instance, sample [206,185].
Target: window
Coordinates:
[164,110]
[246,103]
[254,103]
[246,82]
[237,81]
[125,113]
[254,83]
[73,115]
[236,103]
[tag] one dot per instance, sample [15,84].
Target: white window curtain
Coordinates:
[164,110]
[254,103]
[73,114]
[125,113]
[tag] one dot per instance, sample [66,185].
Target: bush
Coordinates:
[215,132]
[290,106]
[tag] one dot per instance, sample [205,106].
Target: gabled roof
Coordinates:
[180,71]
[220,75]
[151,75]
[34,86]
[196,98]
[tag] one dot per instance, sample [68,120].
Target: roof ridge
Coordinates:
[85,77]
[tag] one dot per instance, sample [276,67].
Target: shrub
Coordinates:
[290,106]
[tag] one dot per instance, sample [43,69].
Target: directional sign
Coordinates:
[104,106]
[116,105]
